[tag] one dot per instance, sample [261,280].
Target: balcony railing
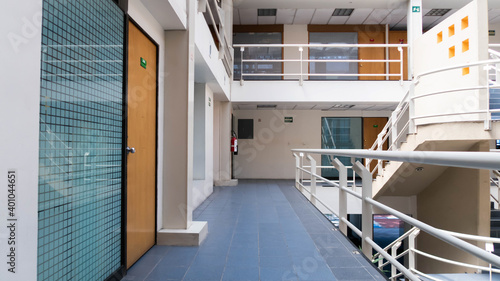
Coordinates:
[213,15]
[389,255]
[301,64]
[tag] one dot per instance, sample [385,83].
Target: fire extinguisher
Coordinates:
[234,144]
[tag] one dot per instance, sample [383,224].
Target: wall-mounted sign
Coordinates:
[415,9]
[143,63]
[375,126]
[491,32]
[288,119]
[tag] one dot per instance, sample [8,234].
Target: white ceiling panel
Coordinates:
[362,106]
[394,16]
[428,21]
[248,16]
[266,20]
[247,106]
[377,16]
[303,106]
[493,14]
[236,17]
[321,106]
[440,19]
[495,20]
[285,16]
[359,15]
[303,16]
[338,20]
[400,24]
[322,16]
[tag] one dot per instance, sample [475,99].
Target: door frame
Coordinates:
[129,20]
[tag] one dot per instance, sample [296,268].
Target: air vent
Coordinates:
[266,106]
[266,12]
[342,12]
[340,106]
[437,12]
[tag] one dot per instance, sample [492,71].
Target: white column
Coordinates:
[178,227]
[414,27]
[19,129]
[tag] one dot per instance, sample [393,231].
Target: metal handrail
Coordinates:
[301,60]
[476,160]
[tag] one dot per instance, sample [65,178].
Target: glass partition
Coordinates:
[325,53]
[264,53]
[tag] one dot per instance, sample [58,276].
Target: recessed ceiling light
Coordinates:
[437,12]
[266,106]
[339,106]
[266,12]
[342,12]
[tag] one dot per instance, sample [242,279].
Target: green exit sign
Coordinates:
[288,119]
[143,63]
[415,9]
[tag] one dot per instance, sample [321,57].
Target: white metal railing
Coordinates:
[226,52]
[301,60]
[402,120]
[475,160]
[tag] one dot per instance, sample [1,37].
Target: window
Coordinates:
[245,128]
[323,53]
[263,53]
[339,133]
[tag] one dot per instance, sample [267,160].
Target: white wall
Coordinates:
[203,150]
[19,126]
[295,34]
[146,21]
[268,155]
[433,55]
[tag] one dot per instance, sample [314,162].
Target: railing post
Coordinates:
[301,174]
[342,194]
[394,129]
[297,171]
[301,78]
[411,109]
[394,254]
[242,49]
[312,196]
[401,69]
[412,245]
[487,121]
[380,145]
[367,209]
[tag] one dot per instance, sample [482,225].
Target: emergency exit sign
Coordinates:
[415,9]
[288,119]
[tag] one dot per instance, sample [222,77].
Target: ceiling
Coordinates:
[392,12]
[317,106]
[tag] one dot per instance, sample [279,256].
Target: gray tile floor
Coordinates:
[259,230]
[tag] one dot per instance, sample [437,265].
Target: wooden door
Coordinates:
[398,37]
[141,131]
[375,36]
[372,126]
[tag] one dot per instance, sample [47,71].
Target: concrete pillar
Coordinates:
[414,27]
[178,227]
[222,169]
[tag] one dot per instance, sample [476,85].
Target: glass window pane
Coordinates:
[323,53]
[264,53]
[81,121]
[339,133]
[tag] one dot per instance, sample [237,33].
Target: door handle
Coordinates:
[130,149]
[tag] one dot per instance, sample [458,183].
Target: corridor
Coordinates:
[259,230]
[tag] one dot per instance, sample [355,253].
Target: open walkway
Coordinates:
[259,230]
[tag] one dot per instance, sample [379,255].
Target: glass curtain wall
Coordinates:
[339,133]
[81,121]
[262,53]
[325,53]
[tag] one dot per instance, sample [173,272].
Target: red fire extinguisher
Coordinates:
[234,144]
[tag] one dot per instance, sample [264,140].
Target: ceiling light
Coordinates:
[342,12]
[437,12]
[266,12]
[266,106]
